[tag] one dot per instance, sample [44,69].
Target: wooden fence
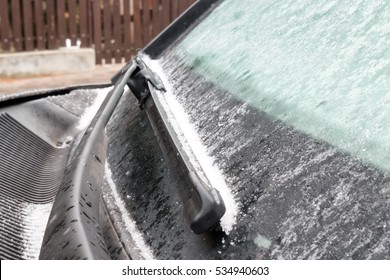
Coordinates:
[115,28]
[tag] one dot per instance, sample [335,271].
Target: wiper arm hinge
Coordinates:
[138,81]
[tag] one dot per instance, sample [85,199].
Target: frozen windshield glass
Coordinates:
[323,67]
[285,104]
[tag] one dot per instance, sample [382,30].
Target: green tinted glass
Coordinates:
[322,68]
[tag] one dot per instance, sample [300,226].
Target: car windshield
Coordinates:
[289,103]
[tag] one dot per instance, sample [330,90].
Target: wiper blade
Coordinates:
[203,204]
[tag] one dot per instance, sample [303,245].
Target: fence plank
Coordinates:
[17,26]
[61,24]
[117,31]
[5,25]
[156,18]
[138,28]
[39,25]
[127,29]
[97,28]
[27,26]
[83,20]
[183,5]
[107,31]
[146,21]
[51,24]
[72,10]
[174,9]
[90,22]
[166,13]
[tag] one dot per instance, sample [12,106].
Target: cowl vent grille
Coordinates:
[31,171]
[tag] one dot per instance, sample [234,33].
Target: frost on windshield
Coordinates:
[323,67]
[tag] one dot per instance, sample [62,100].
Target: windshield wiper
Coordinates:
[203,204]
